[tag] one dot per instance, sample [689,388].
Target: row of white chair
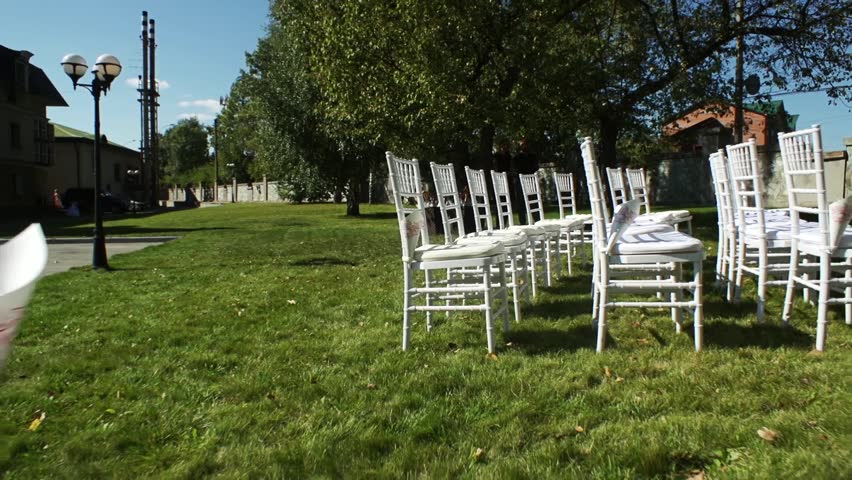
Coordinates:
[652,248]
[778,247]
[630,183]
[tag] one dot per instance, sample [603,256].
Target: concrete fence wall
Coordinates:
[262,191]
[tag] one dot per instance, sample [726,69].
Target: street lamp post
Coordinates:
[106,69]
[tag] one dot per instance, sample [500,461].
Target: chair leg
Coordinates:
[570,246]
[504,297]
[848,297]
[762,270]
[428,275]
[732,265]
[822,308]
[602,298]
[406,305]
[740,262]
[806,292]
[549,264]
[532,265]
[698,314]
[516,286]
[558,241]
[791,282]
[489,308]
[675,296]
[720,255]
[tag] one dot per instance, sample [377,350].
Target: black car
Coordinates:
[85,198]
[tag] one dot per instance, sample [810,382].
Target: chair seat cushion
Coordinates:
[507,239]
[529,230]
[436,253]
[577,219]
[649,243]
[814,237]
[779,230]
[678,213]
[551,226]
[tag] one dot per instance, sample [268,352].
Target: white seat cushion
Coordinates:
[651,218]
[507,239]
[813,237]
[649,243]
[435,253]
[778,230]
[528,230]
[577,219]
[550,226]
[678,213]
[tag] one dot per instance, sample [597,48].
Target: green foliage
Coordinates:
[264,343]
[184,147]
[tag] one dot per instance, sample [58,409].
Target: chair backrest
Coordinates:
[596,198]
[804,174]
[407,191]
[617,186]
[723,189]
[502,199]
[565,193]
[638,187]
[479,199]
[22,261]
[532,196]
[449,201]
[748,182]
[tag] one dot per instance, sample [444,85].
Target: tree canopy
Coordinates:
[184,148]
[334,83]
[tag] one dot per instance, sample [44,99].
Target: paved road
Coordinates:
[63,254]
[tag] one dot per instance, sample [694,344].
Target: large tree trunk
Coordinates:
[353,200]
[484,152]
[608,141]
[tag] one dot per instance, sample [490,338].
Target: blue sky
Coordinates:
[201,49]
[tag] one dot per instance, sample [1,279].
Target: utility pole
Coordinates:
[154,94]
[738,77]
[145,142]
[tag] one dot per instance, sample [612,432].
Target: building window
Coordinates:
[41,141]
[15,135]
[116,172]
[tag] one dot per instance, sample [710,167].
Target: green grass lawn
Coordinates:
[265,343]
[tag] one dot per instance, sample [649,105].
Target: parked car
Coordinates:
[85,198]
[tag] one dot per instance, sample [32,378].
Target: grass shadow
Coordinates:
[550,340]
[322,262]
[86,231]
[729,335]
[560,310]
[383,216]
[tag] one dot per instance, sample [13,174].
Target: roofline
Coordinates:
[92,141]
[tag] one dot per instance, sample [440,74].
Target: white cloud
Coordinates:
[202,117]
[134,82]
[209,104]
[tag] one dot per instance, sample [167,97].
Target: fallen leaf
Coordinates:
[768,434]
[491,356]
[579,429]
[607,372]
[479,455]
[36,422]
[508,344]
[618,379]
[371,386]
[291,302]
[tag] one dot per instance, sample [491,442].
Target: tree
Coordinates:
[184,147]
[645,60]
